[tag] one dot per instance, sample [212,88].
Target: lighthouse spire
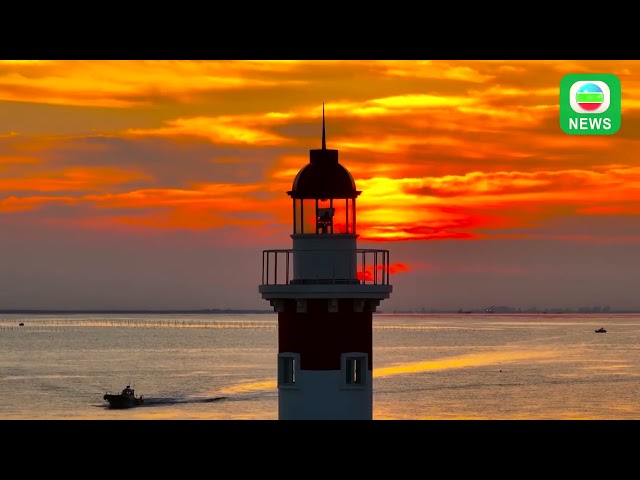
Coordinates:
[324,136]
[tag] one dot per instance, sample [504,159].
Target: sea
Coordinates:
[223,366]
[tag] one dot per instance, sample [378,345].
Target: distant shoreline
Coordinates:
[167,312]
[216,311]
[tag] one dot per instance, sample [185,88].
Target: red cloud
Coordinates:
[368,273]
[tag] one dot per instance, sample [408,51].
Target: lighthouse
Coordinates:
[325,291]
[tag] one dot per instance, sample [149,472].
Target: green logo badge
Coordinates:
[590,104]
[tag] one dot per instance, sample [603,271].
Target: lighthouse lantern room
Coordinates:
[325,291]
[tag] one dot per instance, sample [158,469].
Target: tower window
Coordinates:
[354,367]
[287,370]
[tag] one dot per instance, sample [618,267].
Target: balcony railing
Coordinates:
[372,268]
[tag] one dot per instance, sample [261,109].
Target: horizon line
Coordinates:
[579,310]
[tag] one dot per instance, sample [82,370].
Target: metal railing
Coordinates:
[372,268]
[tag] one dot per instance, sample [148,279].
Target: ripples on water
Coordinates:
[223,366]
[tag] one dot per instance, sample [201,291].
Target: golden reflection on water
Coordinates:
[250,387]
[460,361]
[177,414]
[389,412]
[613,369]
[200,415]
[464,361]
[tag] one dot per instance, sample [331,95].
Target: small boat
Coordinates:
[125,399]
[601,330]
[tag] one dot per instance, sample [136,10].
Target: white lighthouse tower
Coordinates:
[325,291]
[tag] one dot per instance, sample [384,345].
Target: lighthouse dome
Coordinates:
[323,177]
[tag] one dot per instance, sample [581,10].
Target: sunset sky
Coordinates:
[157,184]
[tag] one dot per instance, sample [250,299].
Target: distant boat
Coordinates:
[125,399]
[601,330]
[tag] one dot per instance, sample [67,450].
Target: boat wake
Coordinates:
[177,400]
[159,401]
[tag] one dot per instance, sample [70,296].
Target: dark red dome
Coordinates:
[323,177]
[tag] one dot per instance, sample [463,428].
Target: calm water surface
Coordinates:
[224,366]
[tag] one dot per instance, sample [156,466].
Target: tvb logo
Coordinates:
[590,104]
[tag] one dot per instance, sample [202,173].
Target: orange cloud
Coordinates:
[203,206]
[15,204]
[72,179]
[457,206]
[612,209]
[227,130]
[7,161]
[440,149]
[128,83]
[432,69]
